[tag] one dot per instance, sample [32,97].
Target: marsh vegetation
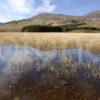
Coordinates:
[54,41]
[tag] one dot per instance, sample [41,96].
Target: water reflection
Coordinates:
[12,56]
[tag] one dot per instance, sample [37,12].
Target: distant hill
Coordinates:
[93,15]
[91,21]
[49,16]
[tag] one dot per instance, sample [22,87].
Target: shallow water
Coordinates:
[18,63]
[11,55]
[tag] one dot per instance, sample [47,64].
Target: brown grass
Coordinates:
[49,41]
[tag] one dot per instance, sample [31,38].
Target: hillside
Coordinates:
[88,23]
[93,15]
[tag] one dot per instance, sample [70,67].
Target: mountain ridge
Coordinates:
[52,20]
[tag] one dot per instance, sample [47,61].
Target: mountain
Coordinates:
[49,16]
[41,19]
[53,20]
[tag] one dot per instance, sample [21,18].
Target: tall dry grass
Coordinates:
[49,41]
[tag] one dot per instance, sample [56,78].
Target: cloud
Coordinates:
[46,7]
[19,9]
[21,6]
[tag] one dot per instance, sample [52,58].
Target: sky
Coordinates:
[21,9]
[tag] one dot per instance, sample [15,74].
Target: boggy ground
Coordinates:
[41,88]
[48,84]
